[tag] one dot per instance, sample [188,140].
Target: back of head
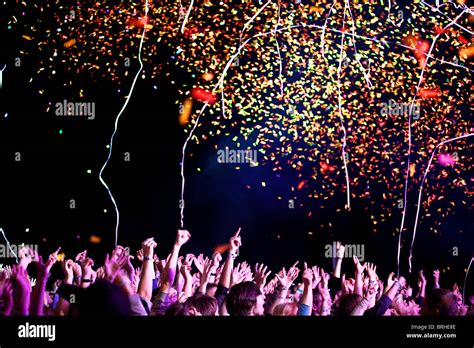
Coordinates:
[285,309]
[440,302]
[176,309]
[346,304]
[104,299]
[200,304]
[242,298]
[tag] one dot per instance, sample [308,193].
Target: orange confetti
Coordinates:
[429,93]
[222,248]
[69,43]
[301,184]
[185,111]
[95,239]
[412,169]
[208,76]
[466,52]
[140,23]
[463,40]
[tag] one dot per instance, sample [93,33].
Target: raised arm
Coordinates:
[235,244]
[169,273]
[188,278]
[261,275]
[285,280]
[63,306]
[145,285]
[324,291]
[42,271]
[306,303]
[340,249]
[22,290]
[421,285]
[359,270]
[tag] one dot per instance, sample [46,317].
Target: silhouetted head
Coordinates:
[346,304]
[440,302]
[200,304]
[245,299]
[104,299]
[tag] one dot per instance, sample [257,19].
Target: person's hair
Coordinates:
[204,304]
[211,289]
[176,309]
[346,304]
[104,299]
[285,309]
[440,302]
[242,298]
[269,300]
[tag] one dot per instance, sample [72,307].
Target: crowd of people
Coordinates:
[221,284]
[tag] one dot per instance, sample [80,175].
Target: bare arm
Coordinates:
[145,285]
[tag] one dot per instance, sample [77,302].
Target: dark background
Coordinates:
[35,192]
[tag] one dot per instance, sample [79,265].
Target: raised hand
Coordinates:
[148,247]
[86,266]
[316,276]
[77,270]
[182,237]
[247,271]
[207,270]
[6,272]
[293,272]
[26,255]
[81,256]
[216,259]
[118,251]
[390,281]
[421,279]
[371,271]
[186,270]
[237,276]
[113,266]
[67,266]
[340,249]
[371,290]
[42,269]
[235,242]
[359,269]
[324,279]
[261,275]
[199,263]
[344,287]
[100,273]
[307,276]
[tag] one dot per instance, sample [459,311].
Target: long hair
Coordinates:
[242,298]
